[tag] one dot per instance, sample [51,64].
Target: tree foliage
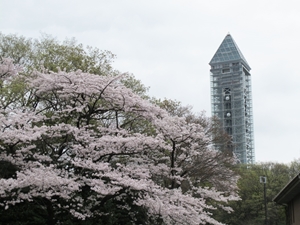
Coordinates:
[251,209]
[49,53]
[84,148]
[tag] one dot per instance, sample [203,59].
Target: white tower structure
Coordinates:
[231,97]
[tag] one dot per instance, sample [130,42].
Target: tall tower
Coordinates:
[231,97]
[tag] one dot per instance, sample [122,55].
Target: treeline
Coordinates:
[250,209]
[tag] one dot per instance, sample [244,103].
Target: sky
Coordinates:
[167,44]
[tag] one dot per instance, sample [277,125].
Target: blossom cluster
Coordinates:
[87,139]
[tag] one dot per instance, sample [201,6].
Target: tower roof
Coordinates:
[228,51]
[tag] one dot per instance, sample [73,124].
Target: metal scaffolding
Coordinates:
[231,97]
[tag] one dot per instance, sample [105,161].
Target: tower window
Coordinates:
[228,106]
[228,123]
[229,130]
[226,70]
[227,90]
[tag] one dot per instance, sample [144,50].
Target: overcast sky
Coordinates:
[167,44]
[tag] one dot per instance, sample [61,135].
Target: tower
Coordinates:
[231,97]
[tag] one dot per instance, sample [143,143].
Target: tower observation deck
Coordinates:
[231,97]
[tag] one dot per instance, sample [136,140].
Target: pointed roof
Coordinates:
[228,51]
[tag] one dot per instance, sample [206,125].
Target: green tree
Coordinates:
[294,168]
[49,54]
[251,209]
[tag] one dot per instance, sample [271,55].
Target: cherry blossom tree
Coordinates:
[83,143]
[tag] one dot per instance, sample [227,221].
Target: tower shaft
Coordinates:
[231,98]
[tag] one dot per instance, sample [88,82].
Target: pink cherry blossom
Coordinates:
[81,130]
